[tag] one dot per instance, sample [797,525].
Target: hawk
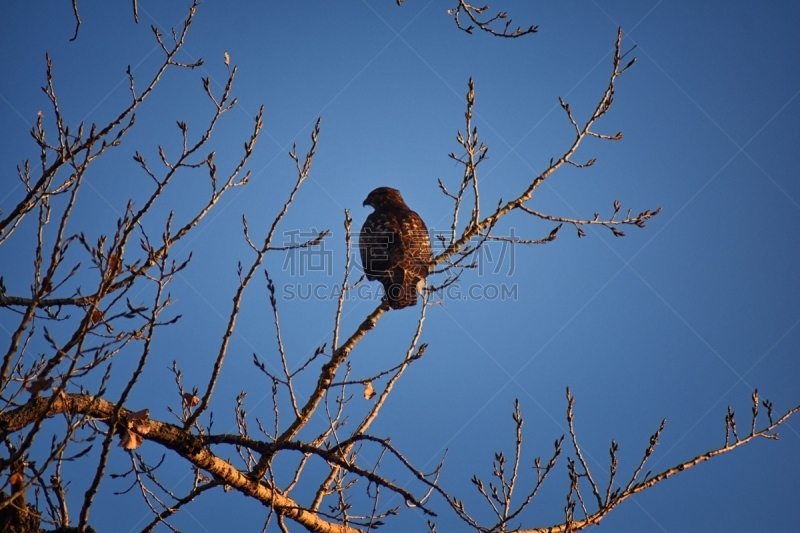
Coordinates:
[395,247]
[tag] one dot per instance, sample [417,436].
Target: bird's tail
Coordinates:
[400,295]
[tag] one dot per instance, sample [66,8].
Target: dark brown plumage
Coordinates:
[395,247]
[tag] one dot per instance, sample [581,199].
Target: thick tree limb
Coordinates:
[173,438]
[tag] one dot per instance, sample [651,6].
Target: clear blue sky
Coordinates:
[676,320]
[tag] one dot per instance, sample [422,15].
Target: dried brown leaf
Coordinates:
[97,316]
[144,414]
[16,480]
[136,425]
[369,391]
[39,384]
[130,440]
[141,427]
[190,399]
[114,265]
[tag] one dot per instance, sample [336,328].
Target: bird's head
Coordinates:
[383,196]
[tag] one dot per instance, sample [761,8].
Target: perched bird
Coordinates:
[395,247]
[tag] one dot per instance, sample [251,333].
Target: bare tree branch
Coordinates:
[474,13]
